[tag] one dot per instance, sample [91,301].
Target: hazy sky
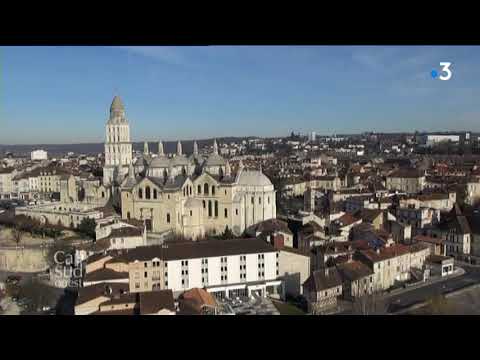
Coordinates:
[63,94]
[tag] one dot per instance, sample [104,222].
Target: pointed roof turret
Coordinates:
[179,148]
[215,147]
[145,148]
[117,110]
[195,148]
[160,149]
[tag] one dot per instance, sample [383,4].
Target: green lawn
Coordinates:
[287,309]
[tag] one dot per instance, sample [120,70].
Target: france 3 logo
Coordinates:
[445,74]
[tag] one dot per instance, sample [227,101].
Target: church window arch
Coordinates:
[209,208]
[204,205]
[199,189]
[191,190]
[183,191]
[140,193]
[128,215]
[168,218]
[147,193]
[213,190]
[155,193]
[205,189]
[216,208]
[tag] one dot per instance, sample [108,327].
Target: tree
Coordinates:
[87,227]
[227,234]
[37,294]
[17,234]
[371,304]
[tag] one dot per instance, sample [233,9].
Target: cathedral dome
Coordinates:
[253,178]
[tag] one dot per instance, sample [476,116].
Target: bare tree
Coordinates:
[17,235]
[370,304]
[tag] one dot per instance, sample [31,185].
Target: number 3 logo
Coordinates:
[445,69]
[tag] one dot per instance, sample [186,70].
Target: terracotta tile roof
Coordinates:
[200,297]
[385,253]
[347,219]
[406,173]
[354,270]
[428,239]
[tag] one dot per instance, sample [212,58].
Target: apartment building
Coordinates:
[225,268]
[406,180]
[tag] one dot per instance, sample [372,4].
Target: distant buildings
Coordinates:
[38,155]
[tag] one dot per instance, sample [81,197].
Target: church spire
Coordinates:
[160,149]
[215,147]
[195,148]
[179,148]
[145,147]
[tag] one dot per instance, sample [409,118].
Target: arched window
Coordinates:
[216,208]
[140,194]
[209,208]
[183,191]
[154,193]
[199,189]
[168,218]
[147,193]
[213,190]
[128,215]
[205,189]
[204,204]
[103,194]
[225,212]
[259,200]
[268,200]
[191,190]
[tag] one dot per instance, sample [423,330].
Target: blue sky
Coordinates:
[63,94]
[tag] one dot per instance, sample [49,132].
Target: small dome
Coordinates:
[253,178]
[160,162]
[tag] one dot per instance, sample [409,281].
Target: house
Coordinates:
[441,265]
[406,180]
[198,301]
[389,264]
[275,231]
[455,229]
[115,299]
[321,290]
[437,245]
[357,279]
[293,269]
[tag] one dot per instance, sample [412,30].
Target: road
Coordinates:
[409,298]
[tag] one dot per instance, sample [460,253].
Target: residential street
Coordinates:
[409,298]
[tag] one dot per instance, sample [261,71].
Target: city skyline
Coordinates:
[205,92]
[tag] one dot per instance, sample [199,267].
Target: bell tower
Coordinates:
[118,148]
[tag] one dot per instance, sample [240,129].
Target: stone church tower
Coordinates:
[118,148]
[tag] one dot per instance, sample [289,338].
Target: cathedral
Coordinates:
[192,196]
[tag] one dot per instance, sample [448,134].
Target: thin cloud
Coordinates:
[165,54]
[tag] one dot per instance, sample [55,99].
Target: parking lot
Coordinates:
[253,305]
